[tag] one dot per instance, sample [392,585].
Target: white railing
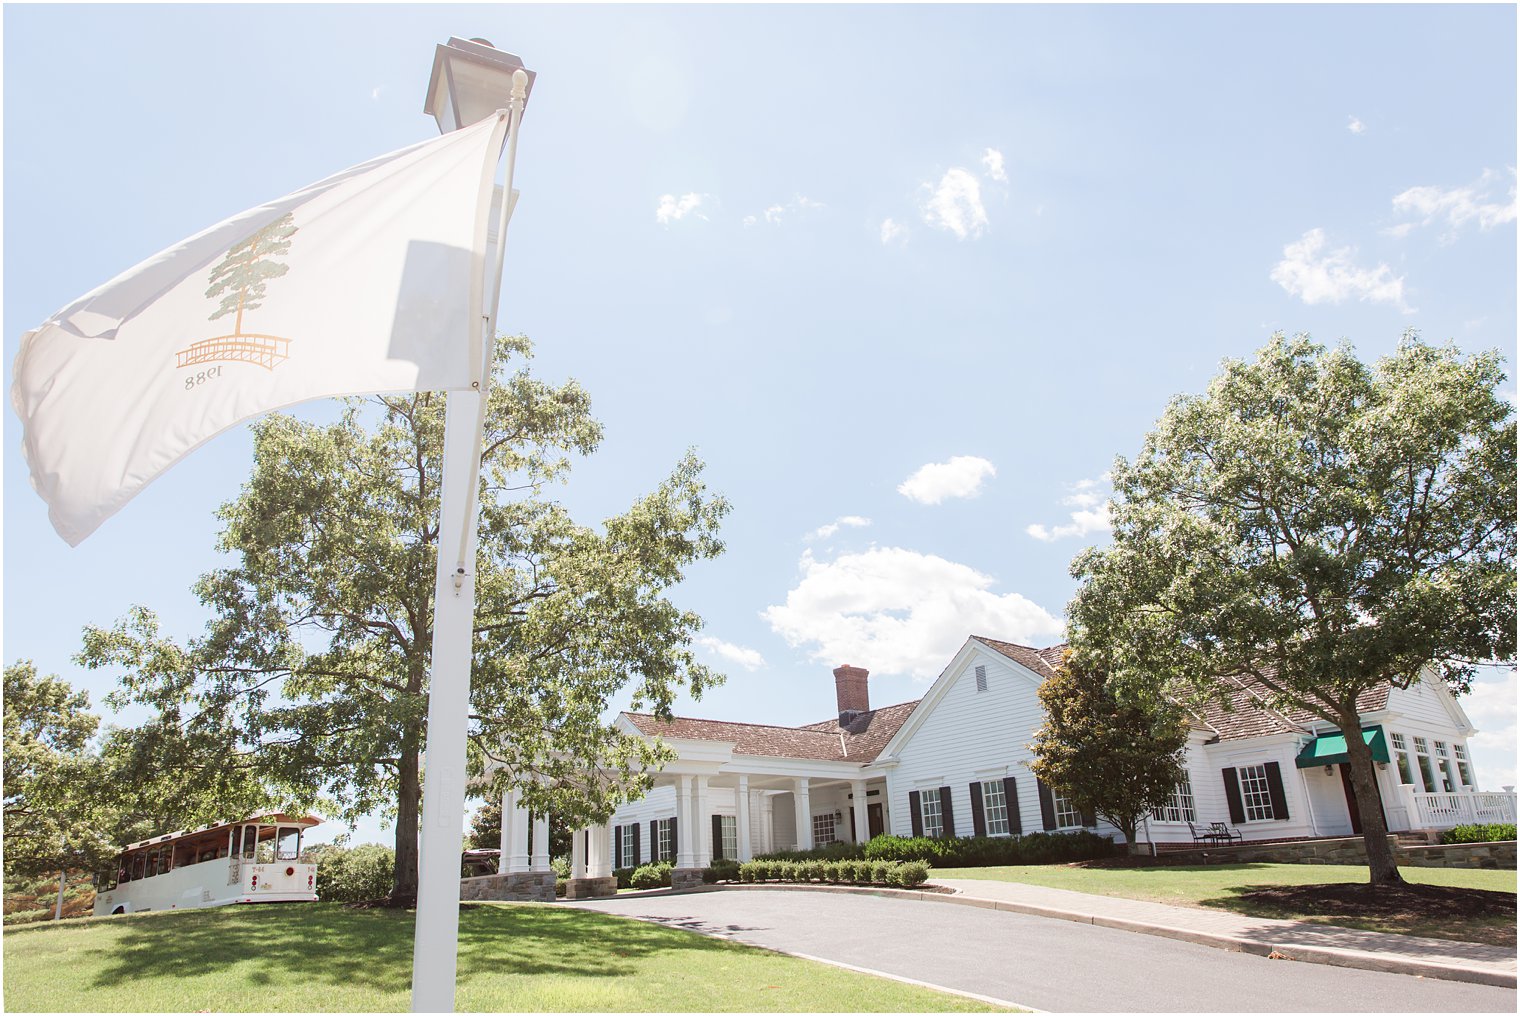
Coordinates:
[1442,811]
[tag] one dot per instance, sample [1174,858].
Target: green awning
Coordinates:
[1330,749]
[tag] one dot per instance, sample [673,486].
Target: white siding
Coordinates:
[1279,748]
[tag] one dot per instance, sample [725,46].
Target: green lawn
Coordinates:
[1222,885]
[321,957]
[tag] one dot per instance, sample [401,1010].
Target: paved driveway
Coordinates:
[1041,963]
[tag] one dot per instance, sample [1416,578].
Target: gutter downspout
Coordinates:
[1308,797]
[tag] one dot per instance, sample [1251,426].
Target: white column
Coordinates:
[804,813]
[599,855]
[767,822]
[741,808]
[862,825]
[578,854]
[507,797]
[703,822]
[685,857]
[540,848]
[514,826]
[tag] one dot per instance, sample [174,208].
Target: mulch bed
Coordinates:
[1397,903]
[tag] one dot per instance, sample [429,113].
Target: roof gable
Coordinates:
[860,742]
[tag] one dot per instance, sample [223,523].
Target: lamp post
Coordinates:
[471,80]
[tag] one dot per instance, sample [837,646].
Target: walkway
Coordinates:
[1297,940]
[1034,962]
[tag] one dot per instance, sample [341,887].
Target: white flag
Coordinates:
[369,281]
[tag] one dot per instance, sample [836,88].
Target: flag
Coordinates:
[372,280]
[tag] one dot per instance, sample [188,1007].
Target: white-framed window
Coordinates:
[626,856]
[1256,793]
[995,808]
[1068,815]
[823,829]
[1427,770]
[1443,766]
[1401,758]
[981,677]
[728,829]
[1464,765]
[928,810]
[665,842]
[1180,807]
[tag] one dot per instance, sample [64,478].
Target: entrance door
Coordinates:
[874,821]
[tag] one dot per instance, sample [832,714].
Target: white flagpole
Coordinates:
[435,950]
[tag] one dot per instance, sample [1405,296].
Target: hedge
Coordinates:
[651,876]
[827,852]
[1496,832]
[989,851]
[904,874]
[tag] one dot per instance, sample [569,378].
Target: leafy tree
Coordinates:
[485,830]
[313,669]
[51,799]
[1317,528]
[1120,757]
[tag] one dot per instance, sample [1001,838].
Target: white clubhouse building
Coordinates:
[956,763]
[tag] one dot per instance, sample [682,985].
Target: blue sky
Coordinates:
[908,278]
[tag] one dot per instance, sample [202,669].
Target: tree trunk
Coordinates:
[404,886]
[1131,841]
[1383,870]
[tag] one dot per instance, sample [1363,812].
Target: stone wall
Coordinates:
[590,888]
[1350,850]
[685,878]
[517,887]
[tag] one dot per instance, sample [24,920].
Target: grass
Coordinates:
[321,957]
[1222,886]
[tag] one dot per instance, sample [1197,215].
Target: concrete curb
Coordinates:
[1327,955]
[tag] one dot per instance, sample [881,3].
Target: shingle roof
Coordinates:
[1042,661]
[1247,715]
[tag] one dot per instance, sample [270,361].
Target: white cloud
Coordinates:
[673,209]
[1491,707]
[827,530]
[773,213]
[777,212]
[896,611]
[1356,126]
[891,230]
[1458,206]
[743,656]
[1091,515]
[375,92]
[955,205]
[962,476]
[1316,275]
[992,160]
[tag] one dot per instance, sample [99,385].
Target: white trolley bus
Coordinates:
[254,860]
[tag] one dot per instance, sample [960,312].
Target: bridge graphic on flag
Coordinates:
[267,351]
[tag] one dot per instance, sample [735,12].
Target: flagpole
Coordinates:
[435,946]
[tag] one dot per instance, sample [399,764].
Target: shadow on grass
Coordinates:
[320,946]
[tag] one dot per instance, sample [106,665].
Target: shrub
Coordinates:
[910,874]
[560,866]
[354,874]
[1479,833]
[649,876]
[897,873]
[623,875]
[827,852]
[723,869]
[986,851]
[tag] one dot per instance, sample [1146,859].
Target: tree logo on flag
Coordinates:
[239,280]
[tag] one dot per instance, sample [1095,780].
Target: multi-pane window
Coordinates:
[995,808]
[1180,807]
[981,677]
[1443,765]
[728,830]
[823,829]
[1427,772]
[1068,815]
[1401,757]
[1256,793]
[928,808]
[664,841]
[626,856]
[1464,767]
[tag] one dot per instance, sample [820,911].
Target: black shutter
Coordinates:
[1090,819]
[637,854]
[978,820]
[1011,799]
[1047,805]
[946,815]
[674,843]
[1232,795]
[717,850]
[654,840]
[916,813]
[1275,788]
[617,846]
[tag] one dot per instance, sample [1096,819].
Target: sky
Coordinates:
[907,278]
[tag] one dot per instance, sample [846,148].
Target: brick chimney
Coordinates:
[850,687]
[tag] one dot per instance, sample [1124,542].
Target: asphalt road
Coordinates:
[1042,963]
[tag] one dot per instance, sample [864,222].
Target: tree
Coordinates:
[312,671]
[1119,757]
[51,808]
[485,830]
[239,280]
[1318,529]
